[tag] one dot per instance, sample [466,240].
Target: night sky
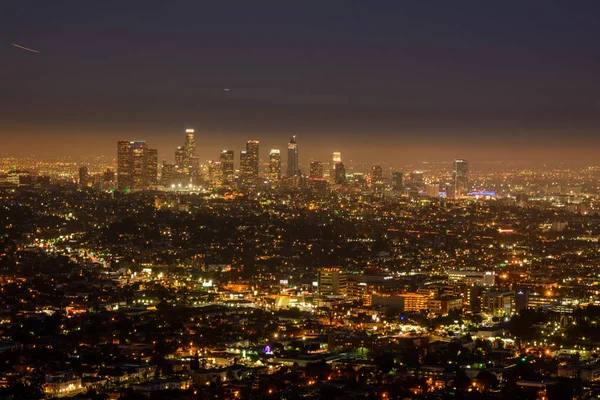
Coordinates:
[379,80]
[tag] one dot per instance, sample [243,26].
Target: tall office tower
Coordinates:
[461,178]
[397,180]
[137,165]
[336,157]
[181,157]
[152,167]
[167,175]
[316,170]
[215,174]
[417,177]
[185,156]
[190,144]
[124,165]
[331,281]
[227,169]
[246,175]
[292,161]
[340,173]
[376,175]
[252,155]
[274,165]
[84,177]
[139,150]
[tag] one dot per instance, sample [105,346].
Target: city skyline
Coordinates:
[339,199]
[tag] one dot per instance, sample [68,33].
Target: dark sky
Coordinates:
[392,80]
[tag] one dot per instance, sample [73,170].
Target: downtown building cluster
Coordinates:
[138,169]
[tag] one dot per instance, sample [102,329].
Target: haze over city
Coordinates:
[421,81]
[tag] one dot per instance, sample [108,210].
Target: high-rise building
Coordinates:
[331,281]
[461,178]
[190,144]
[167,176]
[249,164]
[316,170]
[227,168]
[252,155]
[215,174]
[334,158]
[185,156]
[397,180]
[340,173]
[152,167]
[83,177]
[180,157]
[139,148]
[124,165]
[376,175]
[245,169]
[274,165]
[417,178]
[137,165]
[292,161]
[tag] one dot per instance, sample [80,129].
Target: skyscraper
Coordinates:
[334,158]
[185,156]
[397,180]
[376,175]
[340,173]
[124,165]
[137,165]
[215,174]
[252,154]
[152,167]
[180,157]
[461,178]
[292,161]
[274,165]
[83,177]
[190,144]
[227,168]
[316,170]
[139,149]
[417,178]
[249,164]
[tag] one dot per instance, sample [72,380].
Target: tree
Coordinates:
[488,380]
[385,362]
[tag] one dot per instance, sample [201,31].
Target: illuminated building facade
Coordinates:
[334,158]
[482,278]
[227,167]
[137,165]
[292,161]
[83,177]
[331,281]
[461,178]
[340,173]
[215,174]
[397,180]
[152,167]
[274,165]
[124,165]
[249,164]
